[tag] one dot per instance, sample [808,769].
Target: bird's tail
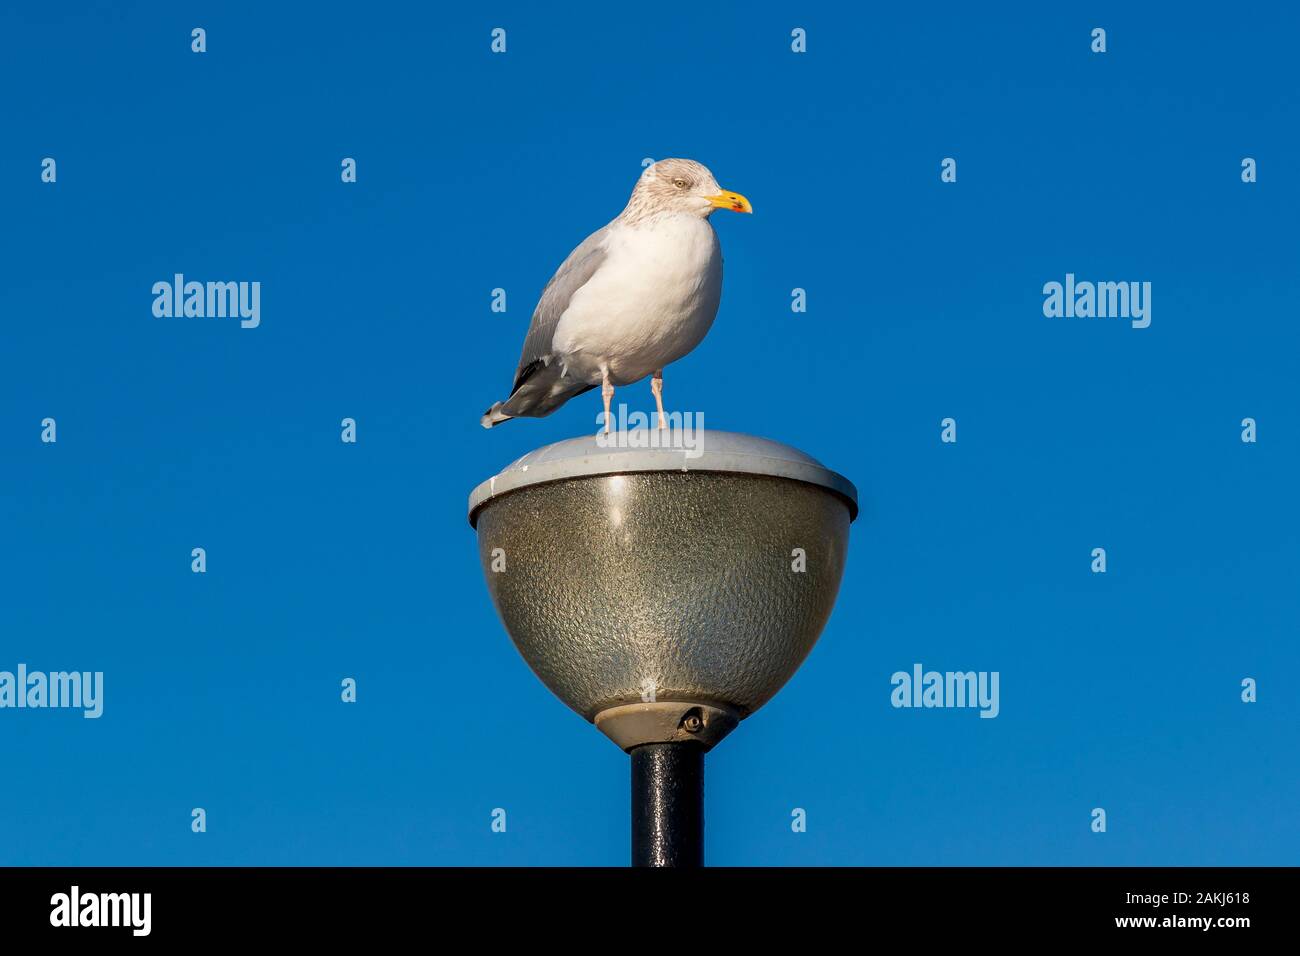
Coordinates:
[542,391]
[494,416]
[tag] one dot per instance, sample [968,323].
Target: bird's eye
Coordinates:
[679,183]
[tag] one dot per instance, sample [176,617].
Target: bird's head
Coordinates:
[681,186]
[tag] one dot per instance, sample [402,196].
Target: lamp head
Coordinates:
[664,593]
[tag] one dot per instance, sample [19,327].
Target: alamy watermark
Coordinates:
[922,688]
[83,690]
[208,300]
[1100,300]
[684,431]
[75,908]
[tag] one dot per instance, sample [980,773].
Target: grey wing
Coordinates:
[572,275]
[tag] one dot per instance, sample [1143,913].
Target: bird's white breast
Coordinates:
[651,301]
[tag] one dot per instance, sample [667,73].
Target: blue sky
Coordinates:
[477,171]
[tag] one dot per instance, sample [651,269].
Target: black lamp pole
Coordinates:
[668,804]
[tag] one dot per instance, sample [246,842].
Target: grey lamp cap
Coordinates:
[648,449]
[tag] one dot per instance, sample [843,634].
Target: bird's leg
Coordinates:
[657,386]
[606,392]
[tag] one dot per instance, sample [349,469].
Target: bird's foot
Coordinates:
[657,389]
[606,393]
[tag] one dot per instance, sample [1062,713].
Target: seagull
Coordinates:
[635,296]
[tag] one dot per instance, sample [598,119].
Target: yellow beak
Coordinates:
[733,201]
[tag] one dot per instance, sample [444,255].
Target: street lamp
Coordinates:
[664,593]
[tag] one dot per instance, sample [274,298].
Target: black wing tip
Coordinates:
[527,372]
